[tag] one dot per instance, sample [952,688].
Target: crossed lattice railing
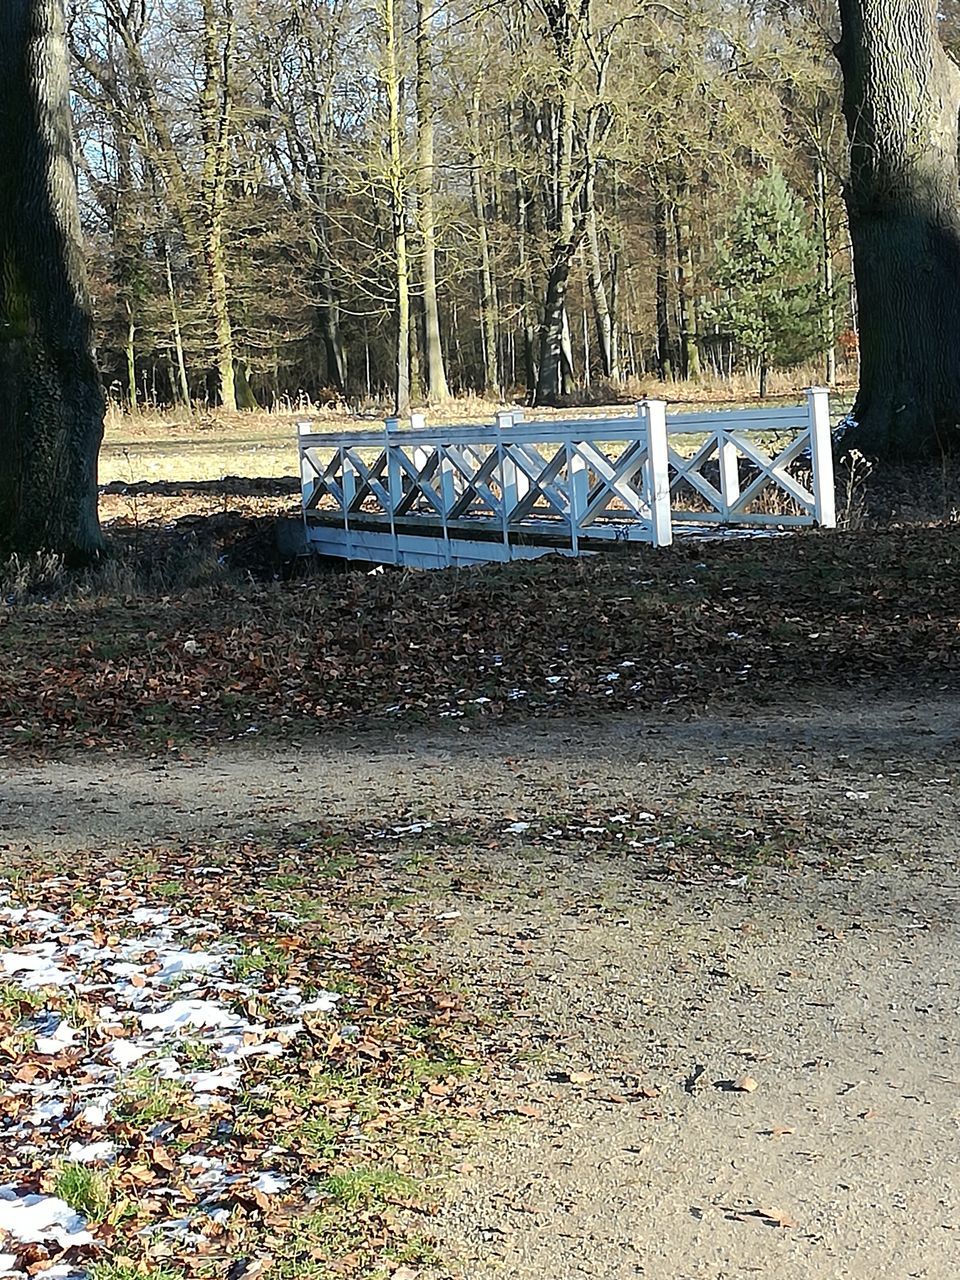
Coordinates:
[532,487]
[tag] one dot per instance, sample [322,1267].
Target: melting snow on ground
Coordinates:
[149,997]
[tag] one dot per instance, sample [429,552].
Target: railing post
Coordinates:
[421,456]
[821,457]
[394,482]
[729,464]
[656,471]
[578,492]
[508,492]
[516,482]
[308,472]
[348,486]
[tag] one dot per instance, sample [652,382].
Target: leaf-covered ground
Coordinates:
[225,1059]
[699,625]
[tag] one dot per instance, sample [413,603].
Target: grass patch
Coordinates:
[133,1271]
[361,1189]
[16,1001]
[83,1189]
[145,1100]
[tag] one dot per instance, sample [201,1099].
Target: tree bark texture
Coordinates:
[51,400]
[901,99]
[566,237]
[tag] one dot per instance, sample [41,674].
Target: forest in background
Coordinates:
[412,198]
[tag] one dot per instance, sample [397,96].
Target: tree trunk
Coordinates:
[433,348]
[51,400]
[524,274]
[177,331]
[218,34]
[398,202]
[664,362]
[488,319]
[901,99]
[550,378]
[686,300]
[603,317]
[828,301]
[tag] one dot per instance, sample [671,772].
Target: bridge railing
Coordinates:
[463,494]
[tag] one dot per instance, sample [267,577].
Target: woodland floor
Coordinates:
[545,921]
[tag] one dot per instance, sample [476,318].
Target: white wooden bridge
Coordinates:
[516,489]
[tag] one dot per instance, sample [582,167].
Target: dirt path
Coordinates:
[835,991]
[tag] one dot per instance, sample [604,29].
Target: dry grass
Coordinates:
[173,445]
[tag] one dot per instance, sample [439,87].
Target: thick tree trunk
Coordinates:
[550,376]
[51,401]
[901,99]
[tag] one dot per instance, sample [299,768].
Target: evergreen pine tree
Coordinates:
[767,270]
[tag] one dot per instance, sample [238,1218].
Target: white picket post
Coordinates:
[727,458]
[578,493]
[657,471]
[309,475]
[421,455]
[821,457]
[394,474]
[509,477]
[394,481]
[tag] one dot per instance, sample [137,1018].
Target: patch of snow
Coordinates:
[61,1039]
[190,1013]
[323,1002]
[36,1219]
[270,1184]
[226,1079]
[91,1152]
[94,1113]
[177,963]
[146,915]
[34,971]
[126,1052]
[52,1110]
